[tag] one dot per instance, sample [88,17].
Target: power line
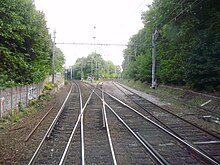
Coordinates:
[191,6]
[178,5]
[83,44]
[140,4]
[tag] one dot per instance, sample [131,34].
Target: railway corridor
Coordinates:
[96,127]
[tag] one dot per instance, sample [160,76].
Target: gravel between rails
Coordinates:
[14,149]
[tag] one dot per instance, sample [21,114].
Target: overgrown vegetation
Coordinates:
[25,44]
[187,48]
[48,86]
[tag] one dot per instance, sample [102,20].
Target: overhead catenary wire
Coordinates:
[178,5]
[191,6]
[84,43]
[140,5]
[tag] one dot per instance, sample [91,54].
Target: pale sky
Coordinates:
[74,20]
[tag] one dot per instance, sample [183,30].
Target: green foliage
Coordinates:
[21,107]
[48,86]
[59,61]
[25,44]
[187,49]
[94,66]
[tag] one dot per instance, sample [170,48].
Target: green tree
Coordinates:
[138,55]
[25,44]
[187,49]
[95,66]
[59,61]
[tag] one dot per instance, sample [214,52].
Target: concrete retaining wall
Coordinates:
[11,97]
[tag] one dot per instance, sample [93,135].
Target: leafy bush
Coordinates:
[25,44]
[49,86]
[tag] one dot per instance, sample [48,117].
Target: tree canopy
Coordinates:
[187,48]
[59,60]
[94,66]
[25,44]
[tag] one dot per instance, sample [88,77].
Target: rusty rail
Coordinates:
[34,129]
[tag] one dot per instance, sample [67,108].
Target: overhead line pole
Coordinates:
[154,38]
[53,57]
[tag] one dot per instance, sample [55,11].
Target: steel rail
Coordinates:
[62,160]
[151,147]
[155,118]
[157,157]
[37,125]
[105,122]
[50,128]
[103,112]
[81,127]
[58,114]
[205,157]
[210,133]
[107,129]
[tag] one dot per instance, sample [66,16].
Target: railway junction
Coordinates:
[108,123]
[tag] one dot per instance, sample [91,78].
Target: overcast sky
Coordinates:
[74,20]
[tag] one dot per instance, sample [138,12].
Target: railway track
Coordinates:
[206,141]
[95,148]
[94,127]
[52,145]
[127,148]
[169,146]
[72,137]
